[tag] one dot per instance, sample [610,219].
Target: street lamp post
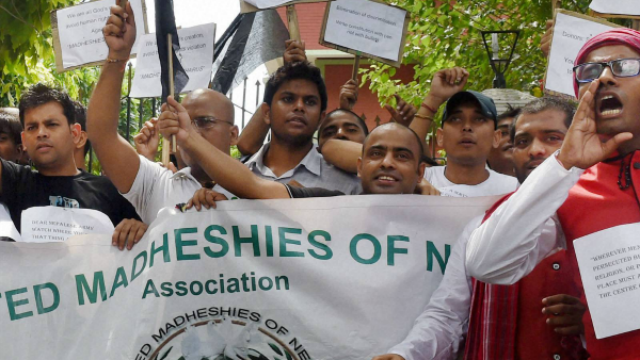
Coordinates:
[499,59]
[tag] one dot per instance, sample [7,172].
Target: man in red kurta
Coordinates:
[507,246]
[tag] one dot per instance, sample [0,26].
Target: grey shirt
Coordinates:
[313,171]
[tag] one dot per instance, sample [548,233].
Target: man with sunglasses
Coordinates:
[599,202]
[146,184]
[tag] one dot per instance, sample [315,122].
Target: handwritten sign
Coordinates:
[571,32]
[196,56]
[57,224]
[375,30]
[78,37]
[618,7]
[609,263]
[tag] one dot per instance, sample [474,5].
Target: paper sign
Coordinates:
[367,27]
[571,32]
[79,30]
[196,57]
[57,224]
[617,7]
[247,6]
[609,263]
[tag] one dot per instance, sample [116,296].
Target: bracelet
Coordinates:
[423,117]
[429,108]
[113,61]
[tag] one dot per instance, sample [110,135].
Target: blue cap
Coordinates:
[487,106]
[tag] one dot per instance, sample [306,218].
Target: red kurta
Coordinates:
[596,203]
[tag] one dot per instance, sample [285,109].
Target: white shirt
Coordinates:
[440,329]
[7,228]
[524,229]
[496,184]
[156,187]
[312,171]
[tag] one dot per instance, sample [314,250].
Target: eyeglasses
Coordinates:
[207,122]
[588,72]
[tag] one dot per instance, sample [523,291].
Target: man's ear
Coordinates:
[421,169]
[440,137]
[266,110]
[233,135]
[497,135]
[359,165]
[24,147]
[82,140]
[76,132]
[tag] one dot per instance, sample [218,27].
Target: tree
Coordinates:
[446,34]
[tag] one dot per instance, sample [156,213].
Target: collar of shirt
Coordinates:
[312,162]
[184,173]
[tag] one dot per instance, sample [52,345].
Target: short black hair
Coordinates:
[510,113]
[420,142]
[81,118]
[40,94]
[296,71]
[10,125]
[545,103]
[360,120]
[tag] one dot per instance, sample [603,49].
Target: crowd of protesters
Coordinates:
[511,288]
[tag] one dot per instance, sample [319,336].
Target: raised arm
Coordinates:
[223,169]
[117,157]
[342,154]
[445,84]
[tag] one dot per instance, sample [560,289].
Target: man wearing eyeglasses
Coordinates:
[599,202]
[146,184]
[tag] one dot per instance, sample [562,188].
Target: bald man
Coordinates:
[147,185]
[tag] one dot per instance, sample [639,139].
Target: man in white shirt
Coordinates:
[439,331]
[147,185]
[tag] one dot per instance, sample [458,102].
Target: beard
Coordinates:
[293,141]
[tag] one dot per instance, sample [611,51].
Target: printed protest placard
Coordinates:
[368,28]
[571,32]
[247,6]
[618,8]
[609,263]
[196,56]
[77,30]
[324,278]
[51,223]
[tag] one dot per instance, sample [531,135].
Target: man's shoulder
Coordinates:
[506,180]
[8,166]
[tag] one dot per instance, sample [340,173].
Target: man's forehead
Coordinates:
[340,119]
[609,53]
[548,120]
[300,87]
[43,112]
[392,139]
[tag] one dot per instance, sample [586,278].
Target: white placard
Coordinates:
[80,31]
[366,26]
[617,7]
[196,57]
[266,4]
[56,224]
[609,263]
[570,34]
[339,278]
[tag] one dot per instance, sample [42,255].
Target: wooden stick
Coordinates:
[292,18]
[554,6]
[356,66]
[123,4]
[169,145]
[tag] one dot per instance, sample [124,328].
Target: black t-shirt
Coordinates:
[23,188]
[296,192]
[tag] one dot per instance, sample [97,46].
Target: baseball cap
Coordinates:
[487,106]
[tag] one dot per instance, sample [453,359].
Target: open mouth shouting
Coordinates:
[386,179]
[609,106]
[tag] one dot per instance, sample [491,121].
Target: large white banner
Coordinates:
[332,278]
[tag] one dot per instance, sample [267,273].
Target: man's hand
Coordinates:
[564,314]
[582,146]
[425,188]
[348,95]
[128,233]
[403,113]
[120,32]
[295,51]
[545,43]
[175,120]
[388,357]
[205,198]
[445,84]
[148,139]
